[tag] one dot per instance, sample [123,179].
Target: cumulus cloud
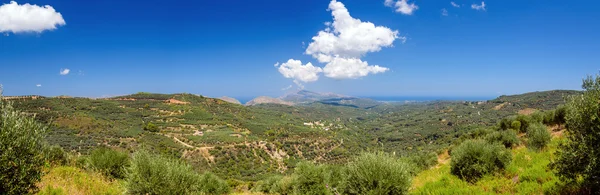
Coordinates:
[478,7]
[347,39]
[402,6]
[65,71]
[17,18]
[444,12]
[454,4]
[38,85]
[340,46]
[294,69]
[350,68]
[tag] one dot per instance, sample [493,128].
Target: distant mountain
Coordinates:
[267,100]
[304,96]
[230,100]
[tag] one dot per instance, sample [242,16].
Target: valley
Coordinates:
[249,143]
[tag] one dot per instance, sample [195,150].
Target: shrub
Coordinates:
[525,121]
[155,174]
[56,155]
[151,127]
[309,179]
[538,136]
[109,162]
[475,158]
[508,138]
[423,161]
[211,184]
[516,125]
[579,157]
[378,173]
[21,151]
[266,185]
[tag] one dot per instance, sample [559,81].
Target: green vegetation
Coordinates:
[109,162]
[151,127]
[154,174]
[71,180]
[578,159]
[537,136]
[378,173]
[315,148]
[508,138]
[527,173]
[21,151]
[474,159]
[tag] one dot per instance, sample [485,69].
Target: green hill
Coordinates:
[247,143]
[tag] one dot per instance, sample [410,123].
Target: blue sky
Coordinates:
[218,48]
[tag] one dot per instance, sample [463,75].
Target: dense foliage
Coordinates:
[579,156]
[109,162]
[508,138]
[155,174]
[475,158]
[378,173]
[537,136]
[21,150]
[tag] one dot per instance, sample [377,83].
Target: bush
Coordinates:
[525,121]
[516,125]
[151,127]
[378,173]
[266,185]
[579,157]
[538,136]
[211,184]
[109,162]
[309,179]
[475,158]
[155,174]
[423,161]
[21,151]
[508,138]
[56,155]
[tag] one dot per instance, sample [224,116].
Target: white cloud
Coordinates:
[340,46]
[347,39]
[350,68]
[64,71]
[38,85]
[444,12]
[402,6]
[478,7]
[454,4]
[17,18]
[294,69]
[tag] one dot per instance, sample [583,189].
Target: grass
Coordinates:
[528,173]
[71,180]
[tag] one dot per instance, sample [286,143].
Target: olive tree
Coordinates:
[579,156]
[21,150]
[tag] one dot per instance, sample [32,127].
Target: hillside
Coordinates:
[249,142]
[527,174]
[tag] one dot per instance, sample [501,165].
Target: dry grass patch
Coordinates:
[71,180]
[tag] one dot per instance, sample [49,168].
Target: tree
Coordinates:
[21,151]
[473,159]
[538,136]
[579,156]
[151,127]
